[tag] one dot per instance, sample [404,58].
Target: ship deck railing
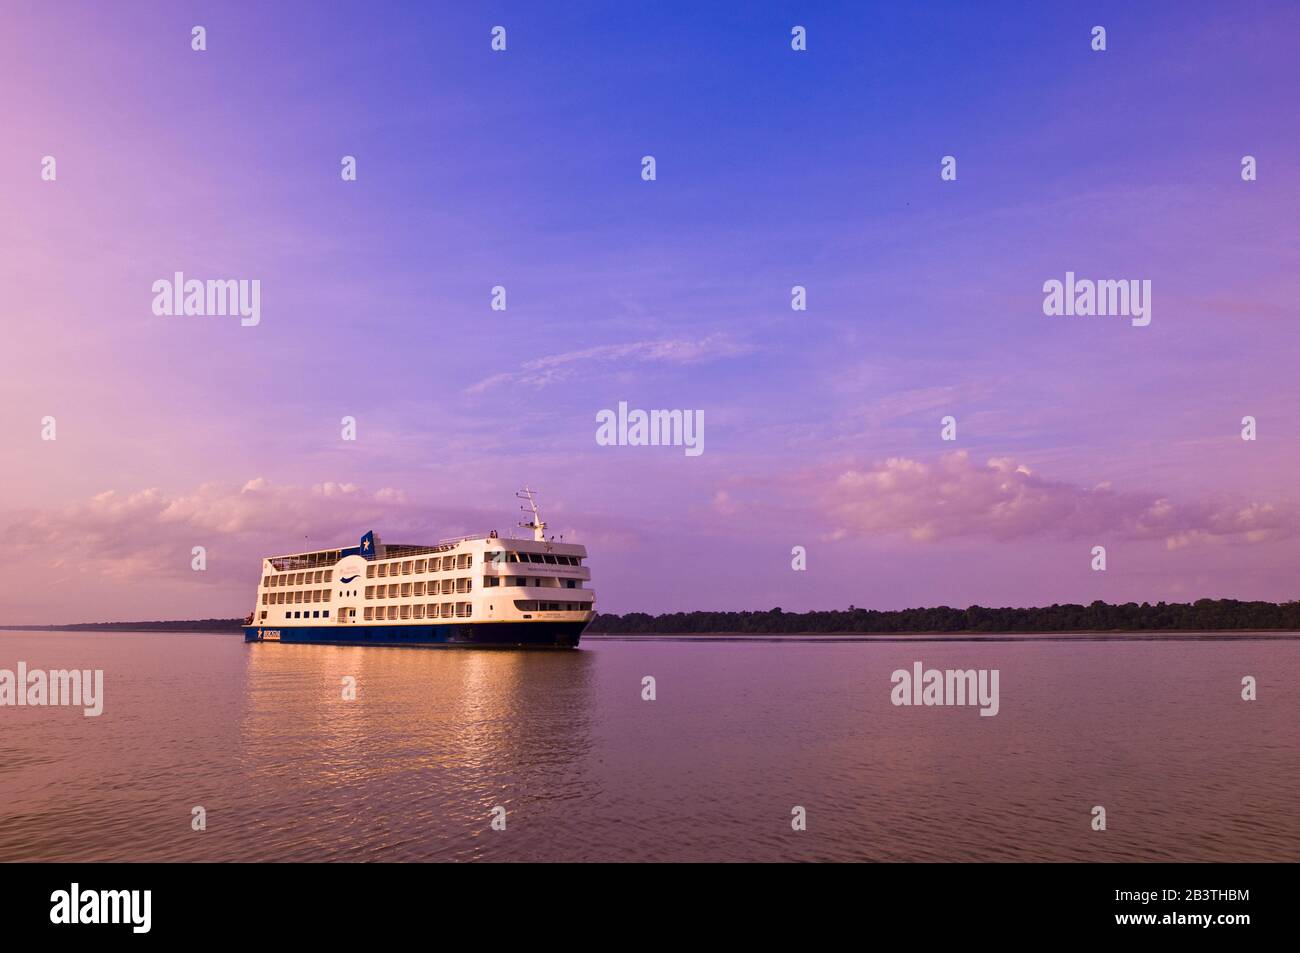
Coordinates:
[328,557]
[401,550]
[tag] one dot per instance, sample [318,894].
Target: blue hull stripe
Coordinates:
[499,634]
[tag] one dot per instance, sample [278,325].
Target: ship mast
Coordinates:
[537,525]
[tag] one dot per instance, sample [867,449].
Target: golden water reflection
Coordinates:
[434,738]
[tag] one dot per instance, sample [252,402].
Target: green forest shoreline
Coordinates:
[1204,615]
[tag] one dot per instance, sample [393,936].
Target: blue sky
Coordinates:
[775,168]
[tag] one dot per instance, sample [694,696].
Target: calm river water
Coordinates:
[740,732]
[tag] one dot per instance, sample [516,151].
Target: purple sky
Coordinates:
[775,168]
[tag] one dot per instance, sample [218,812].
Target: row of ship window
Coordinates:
[380,570]
[394,591]
[384,592]
[296,596]
[400,590]
[409,566]
[298,578]
[434,610]
[550,559]
[465,561]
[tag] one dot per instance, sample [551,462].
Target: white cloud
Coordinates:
[542,371]
[952,496]
[118,534]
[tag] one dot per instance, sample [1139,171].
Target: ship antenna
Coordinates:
[537,525]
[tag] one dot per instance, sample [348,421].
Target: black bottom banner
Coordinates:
[144,902]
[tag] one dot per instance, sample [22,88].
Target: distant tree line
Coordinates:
[180,625]
[1202,615]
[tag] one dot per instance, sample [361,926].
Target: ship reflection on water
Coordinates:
[433,741]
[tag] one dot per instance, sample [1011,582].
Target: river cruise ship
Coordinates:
[479,590]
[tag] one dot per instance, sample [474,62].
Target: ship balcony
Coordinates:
[546,584]
[542,609]
[581,573]
[547,594]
